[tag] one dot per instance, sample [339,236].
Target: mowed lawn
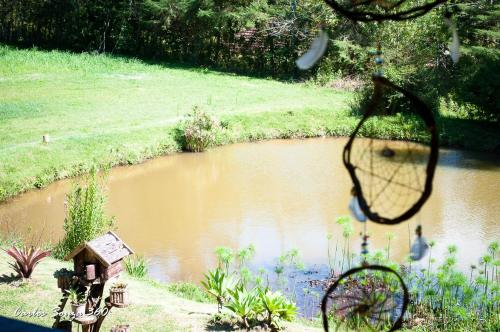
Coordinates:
[104,109]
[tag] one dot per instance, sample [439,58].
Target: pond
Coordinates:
[277,195]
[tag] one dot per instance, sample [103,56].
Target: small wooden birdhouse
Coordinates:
[101,259]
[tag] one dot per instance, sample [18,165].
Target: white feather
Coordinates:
[356,211]
[419,248]
[315,52]
[455,43]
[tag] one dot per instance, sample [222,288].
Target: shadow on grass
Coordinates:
[193,66]
[219,326]
[10,279]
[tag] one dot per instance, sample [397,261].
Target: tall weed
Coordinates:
[85,215]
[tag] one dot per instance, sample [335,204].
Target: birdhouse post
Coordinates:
[94,263]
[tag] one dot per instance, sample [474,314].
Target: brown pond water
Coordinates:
[277,195]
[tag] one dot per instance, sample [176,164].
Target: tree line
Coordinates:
[264,37]
[261,37]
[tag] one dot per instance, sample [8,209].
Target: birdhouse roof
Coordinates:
[108,249]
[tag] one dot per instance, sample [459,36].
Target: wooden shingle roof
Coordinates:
[108,248]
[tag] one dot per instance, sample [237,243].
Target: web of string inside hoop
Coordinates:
[390,185]
[381,295]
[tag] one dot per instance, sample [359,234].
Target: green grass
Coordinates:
[104,110]
[149,316]
[136,266]
[115,110]
[154,306]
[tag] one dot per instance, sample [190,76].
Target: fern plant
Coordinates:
[26,259]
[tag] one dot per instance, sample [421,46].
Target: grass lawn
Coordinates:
[109,110]
[105,109]
[154,307]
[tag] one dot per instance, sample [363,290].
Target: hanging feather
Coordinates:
[315,52]
[419,248]
[455,43]
[356,211]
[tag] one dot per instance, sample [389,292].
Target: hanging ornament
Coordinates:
[392,179]
[371,298]
[381,10]
[455,43]
[420,247]
[364,248]
[354,207]
[315,52]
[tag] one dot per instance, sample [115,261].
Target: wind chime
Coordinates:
[392,180]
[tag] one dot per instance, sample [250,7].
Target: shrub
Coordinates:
[200,131]
[136,266]
[85,216]
[26,259]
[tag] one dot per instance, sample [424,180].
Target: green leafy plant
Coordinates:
[243,303]
[75,297]
[64,272]
[85,215]
[275,307]
[200,131]
[217,284]
[26,259]
[136,266]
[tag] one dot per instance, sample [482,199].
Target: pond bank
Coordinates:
[463,134]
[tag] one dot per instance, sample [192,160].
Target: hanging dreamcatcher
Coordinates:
[381,10]
[366,298]
[372,298]
[392,179]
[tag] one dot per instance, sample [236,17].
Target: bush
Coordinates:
[85,216]
[200,131]
[136,266]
